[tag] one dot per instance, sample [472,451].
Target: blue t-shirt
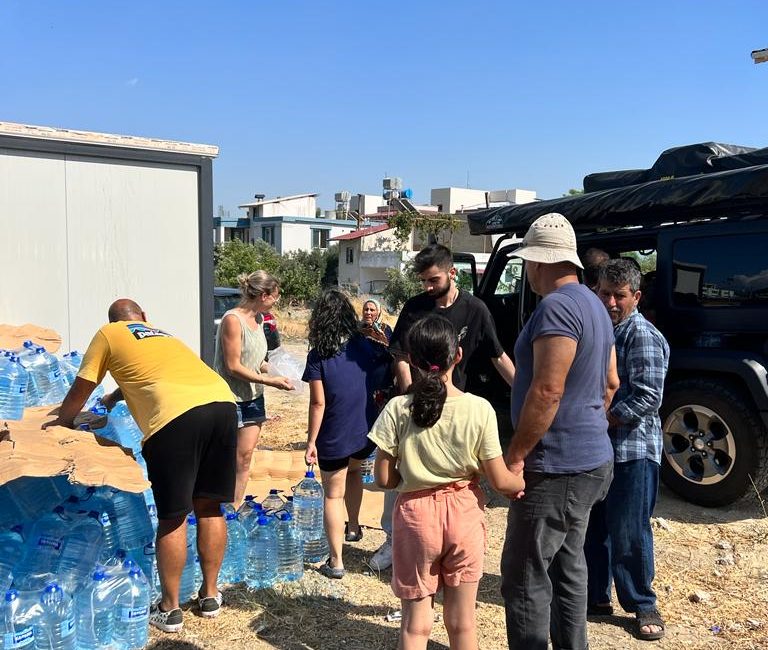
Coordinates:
[344,428]
[578,439]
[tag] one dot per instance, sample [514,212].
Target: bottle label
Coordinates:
[53,376]
[104,519]
[67,627]
[22,389]
[134,614]
[49,543]
[19,639]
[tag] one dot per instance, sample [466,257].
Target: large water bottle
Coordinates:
[261,571]
[81,550]
[250,515]
[308,513]
[99,500]
[128,431]
[53,623]
[11,552]
[146,559]
[366,468]
[189,578]
[45,375]
[106,430]
[42,549]
[131,611]
[15,628]
[273,502]
[246,504]
[13,388]
[134,527]
[290,553]
[288,507]
[94,607]
[70,365]
[233,566]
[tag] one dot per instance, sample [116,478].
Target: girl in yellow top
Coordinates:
[433,444]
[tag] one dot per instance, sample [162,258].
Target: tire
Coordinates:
[714,441]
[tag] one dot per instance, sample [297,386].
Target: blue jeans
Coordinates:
[619,544]
[543,572]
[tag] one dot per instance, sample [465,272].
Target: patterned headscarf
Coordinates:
[375,330]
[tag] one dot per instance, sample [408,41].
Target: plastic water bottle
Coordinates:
[42,549]
[261,570]
[131,611]
[290,554]
[11,552]
[134,527]
[366,468]
[128,432]
[250,515]
[108,430]
[45,375]
[308,513]
[54,624]
[246,504]
[233,567]
[81,551]
[273,502]
[288,507]
[94,613]
[15,629]
[13,388]
[187,588]
[146,559]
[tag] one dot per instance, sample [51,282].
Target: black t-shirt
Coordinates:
[470,317]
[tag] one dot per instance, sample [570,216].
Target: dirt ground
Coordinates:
[718,557]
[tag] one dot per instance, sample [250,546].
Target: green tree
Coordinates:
[232,258]
[574,192]
[400,287]
[437,224]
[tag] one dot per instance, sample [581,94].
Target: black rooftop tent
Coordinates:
[729,185]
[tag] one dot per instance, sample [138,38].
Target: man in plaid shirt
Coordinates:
[619,543]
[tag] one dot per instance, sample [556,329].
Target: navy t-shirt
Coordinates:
[578,439]
[345,378]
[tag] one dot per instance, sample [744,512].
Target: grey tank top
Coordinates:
[253,352]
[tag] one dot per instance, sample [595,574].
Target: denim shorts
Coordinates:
[251,412]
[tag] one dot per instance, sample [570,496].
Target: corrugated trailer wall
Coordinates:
[82,225]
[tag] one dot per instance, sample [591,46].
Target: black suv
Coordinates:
[697,223]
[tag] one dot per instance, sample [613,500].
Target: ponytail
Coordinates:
[432,345]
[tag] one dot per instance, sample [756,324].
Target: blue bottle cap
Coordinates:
[263,520]
[231,515]
[275,491]
[192,520]
[51,588]
[309,474]
[11,595]
[284,516]
[249,497]
[100,573]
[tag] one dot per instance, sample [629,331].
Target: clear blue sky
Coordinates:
[323,96]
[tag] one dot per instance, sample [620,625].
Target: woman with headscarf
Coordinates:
[377,334]
[372,326]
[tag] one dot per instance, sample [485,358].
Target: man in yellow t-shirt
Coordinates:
[189,420]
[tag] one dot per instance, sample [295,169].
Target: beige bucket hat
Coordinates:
[550,239]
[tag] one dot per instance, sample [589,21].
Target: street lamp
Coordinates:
[760,56]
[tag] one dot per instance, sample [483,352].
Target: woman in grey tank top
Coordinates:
[241,359]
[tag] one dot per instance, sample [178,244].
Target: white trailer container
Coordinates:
[86,218]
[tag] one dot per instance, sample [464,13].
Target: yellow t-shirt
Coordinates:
[448,451]
[160,377]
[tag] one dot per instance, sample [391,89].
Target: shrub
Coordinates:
[400,287]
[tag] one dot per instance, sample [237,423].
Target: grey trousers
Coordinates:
[543,570]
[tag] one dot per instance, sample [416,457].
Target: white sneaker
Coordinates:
[382,558]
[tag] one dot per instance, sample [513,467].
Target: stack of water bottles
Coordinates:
[81,575]
[269,542]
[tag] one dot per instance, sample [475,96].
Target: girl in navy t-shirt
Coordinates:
[338,367]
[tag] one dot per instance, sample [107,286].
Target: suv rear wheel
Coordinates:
[713,443]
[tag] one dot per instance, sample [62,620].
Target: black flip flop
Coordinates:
[651,617]
[352,537]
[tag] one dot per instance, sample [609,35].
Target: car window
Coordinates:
[509,282]
[222,304]
[723,271]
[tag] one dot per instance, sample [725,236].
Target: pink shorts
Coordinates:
[437,539]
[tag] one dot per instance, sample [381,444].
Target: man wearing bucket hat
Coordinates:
[566,376]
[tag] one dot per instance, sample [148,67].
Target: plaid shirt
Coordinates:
[642,357]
